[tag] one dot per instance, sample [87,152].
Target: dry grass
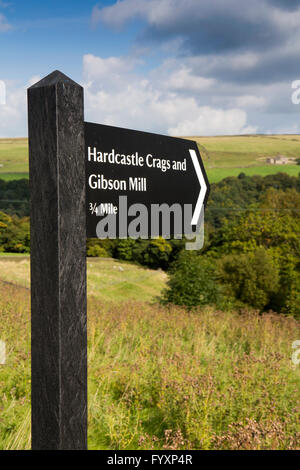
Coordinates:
[167,379]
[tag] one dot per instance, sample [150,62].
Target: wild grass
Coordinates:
[166,379]
[108,279]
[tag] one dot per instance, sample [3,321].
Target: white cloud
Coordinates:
[184,79]
[286,19]
[258,42]
[108,72]
[157,12]
[13,115]
[33,80]
[115,94]
[4,25]
[210,121]
[172,99]
[249,101]
[119,13]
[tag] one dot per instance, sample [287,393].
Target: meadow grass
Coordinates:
[165,378]
[108,279]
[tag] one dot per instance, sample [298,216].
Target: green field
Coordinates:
[13,158]
[160,378]
[248,150]
[13,176]
[230,155]
[223,156]
[217,174]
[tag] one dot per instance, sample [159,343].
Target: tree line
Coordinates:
[251,254]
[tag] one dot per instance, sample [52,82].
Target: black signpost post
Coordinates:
[80,174]
[58,264]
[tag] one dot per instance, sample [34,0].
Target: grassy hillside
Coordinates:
[223,156]
[229,155]
[13,158]
[165,378]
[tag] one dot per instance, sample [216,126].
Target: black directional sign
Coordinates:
[128,172]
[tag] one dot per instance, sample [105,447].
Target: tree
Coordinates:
[192,281]
[253,278]
[14,234]
[157,253]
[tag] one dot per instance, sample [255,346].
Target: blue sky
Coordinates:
[182,67]
[49,35]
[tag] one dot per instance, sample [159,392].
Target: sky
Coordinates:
[177,67]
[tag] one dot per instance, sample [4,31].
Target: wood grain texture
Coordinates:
[58,264]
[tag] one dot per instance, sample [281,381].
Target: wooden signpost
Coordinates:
[76,166]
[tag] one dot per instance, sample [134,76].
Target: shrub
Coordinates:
[157,254]
[287,299]
[96,250]
[14,234]
[192,281]
[252,277]
[124,249]
[98,247]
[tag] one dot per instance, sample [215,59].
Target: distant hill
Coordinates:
[13,159]
[223,155]
[230,155]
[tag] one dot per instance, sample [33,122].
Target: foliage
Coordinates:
[230,197]
[273,226]
[253,278]
[101,248]
[255,254]
[192,281]
[157,254]
[14,234]
[244,214]
[287,299]
[124,249]
[14,197]
[97,251]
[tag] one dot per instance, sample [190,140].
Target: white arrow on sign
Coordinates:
[203,187]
